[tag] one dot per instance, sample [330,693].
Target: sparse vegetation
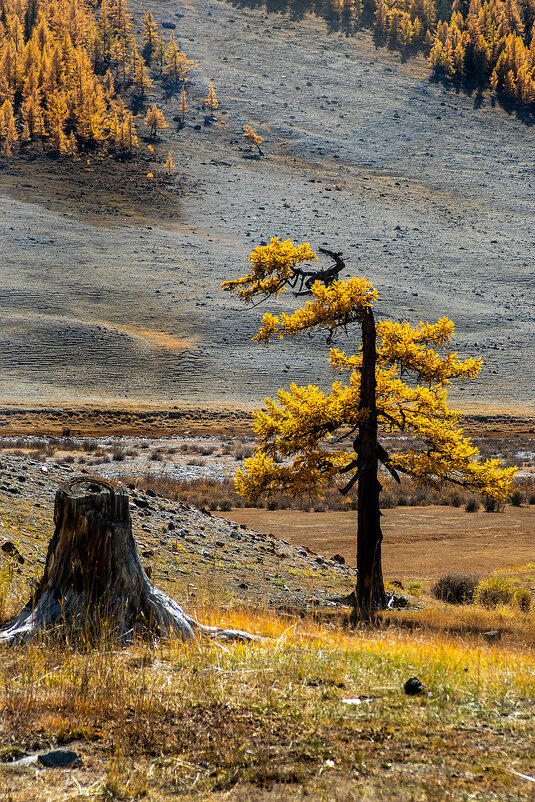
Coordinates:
[455,588]
[162,713]
[493,591]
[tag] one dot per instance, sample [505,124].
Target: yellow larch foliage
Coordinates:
[183,106]
[305,437]
[178,65]
[150,36]
[140,79]
[251,135]
[155,120]
[272,266]
[339,304]
[169,164]
[211,101]
[492,41]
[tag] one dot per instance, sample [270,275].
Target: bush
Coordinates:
[455,500]
[455,588]
[472,505]
[494,591]
[387,499]
[517,498]
[522,599]
[491,505]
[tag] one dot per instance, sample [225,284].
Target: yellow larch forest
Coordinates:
[63,68]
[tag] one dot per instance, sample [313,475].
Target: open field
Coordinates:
[316,711]
[420,543]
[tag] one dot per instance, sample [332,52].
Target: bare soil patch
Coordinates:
[97,188]
[162,420]
[420,543]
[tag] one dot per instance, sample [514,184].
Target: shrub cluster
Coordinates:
[493,591]
[455,588]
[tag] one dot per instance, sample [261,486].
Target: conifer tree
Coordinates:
[183,106]
[307,438]
[56,113]
[26,136]
[108,83]
[128,135]
[6,117]
[150,36]
[160,52]
[211,101]
[254,138]
[178,65]
[140,79]
[71,147]
[155,120]
[169,164]
[7,148]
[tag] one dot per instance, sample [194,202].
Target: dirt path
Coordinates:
[428,195]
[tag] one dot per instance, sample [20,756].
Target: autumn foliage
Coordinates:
[491,41]
[61,64]
[396,381]
[304,424]
[487,41]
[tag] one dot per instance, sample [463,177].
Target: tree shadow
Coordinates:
[340,18]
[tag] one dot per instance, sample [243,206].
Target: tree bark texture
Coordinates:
[370,588]
[93,580]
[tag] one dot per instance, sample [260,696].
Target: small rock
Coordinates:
[10,549]
[142,503]
[337,558]
[413,687]
[59,758]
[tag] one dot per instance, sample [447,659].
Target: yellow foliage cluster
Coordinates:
[155,120]
[405,23]
[272,266]
[59,62]
[251,135]
[299,434]
[339,303]
[489,40]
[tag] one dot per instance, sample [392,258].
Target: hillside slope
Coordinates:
[110,291]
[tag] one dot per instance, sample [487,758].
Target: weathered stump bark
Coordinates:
[93,581]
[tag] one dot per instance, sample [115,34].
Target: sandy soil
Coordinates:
[420,543]
[109,286]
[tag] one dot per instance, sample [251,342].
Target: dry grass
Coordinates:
[268,721]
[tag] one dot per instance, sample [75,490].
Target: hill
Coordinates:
[110,286]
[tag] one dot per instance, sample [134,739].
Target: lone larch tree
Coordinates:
[398,380]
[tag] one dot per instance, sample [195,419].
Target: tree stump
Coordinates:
[93,581]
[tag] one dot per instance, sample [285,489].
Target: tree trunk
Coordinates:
[370,591]
[93,582]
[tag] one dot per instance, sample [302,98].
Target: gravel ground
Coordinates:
[196,556]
